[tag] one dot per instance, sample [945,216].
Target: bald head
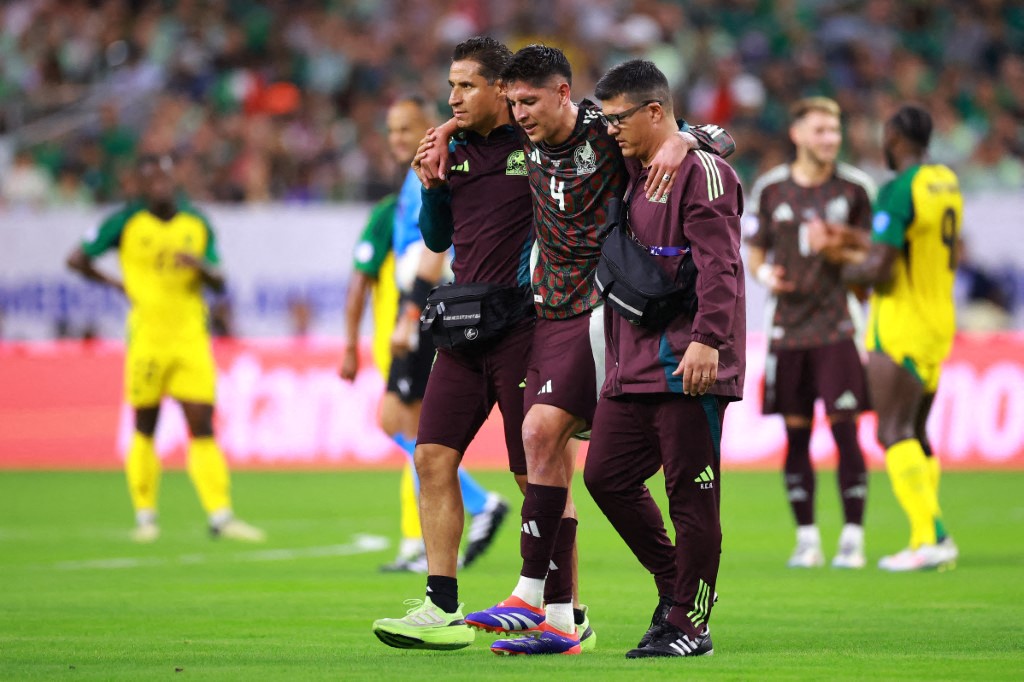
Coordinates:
[407,120]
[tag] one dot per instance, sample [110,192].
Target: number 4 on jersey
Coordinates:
[558,192]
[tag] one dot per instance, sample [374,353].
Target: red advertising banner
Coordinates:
[281,405]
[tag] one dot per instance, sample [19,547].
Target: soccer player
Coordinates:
[484,210]
[911,262]
[811,348]
[666,389]
[418,270]
[574,168]
[168,253]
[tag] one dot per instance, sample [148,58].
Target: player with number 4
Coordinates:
[575,168]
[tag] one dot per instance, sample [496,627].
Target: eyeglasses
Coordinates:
[617,119]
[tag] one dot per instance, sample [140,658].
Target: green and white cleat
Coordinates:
[588,638]
[425,626]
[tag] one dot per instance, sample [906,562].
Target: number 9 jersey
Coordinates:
[912,315]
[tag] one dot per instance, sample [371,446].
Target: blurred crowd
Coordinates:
[282,99]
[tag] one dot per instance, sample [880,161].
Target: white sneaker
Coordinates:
[851,548]
[236,529]
[806,556]
[940,557]
[146,533]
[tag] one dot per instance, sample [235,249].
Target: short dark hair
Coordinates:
[491,55]
[914,123]
[638,80]
[417,99]
[535,64]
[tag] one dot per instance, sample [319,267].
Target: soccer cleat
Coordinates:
[545,640]
[851,555]
[425,626]
[588,638]
[511,616]
[145,533]
[417,563]
[484,527]
[236,529]
[660,616]
[941,556]
[851,548]
[806,555]
[668,640]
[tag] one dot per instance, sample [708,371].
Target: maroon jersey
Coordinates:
[702,211]
[572,184]
[490,203]
[817,312]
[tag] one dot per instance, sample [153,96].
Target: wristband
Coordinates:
[421,289]
[765,274]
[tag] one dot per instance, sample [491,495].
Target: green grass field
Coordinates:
[79,601]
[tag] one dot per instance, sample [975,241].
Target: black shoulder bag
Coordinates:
[629,279]
[468,316]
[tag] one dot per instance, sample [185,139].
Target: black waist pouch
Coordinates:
[467,316]
[630,280]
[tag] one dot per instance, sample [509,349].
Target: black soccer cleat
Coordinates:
[484,527]
[660,616]
[668,641]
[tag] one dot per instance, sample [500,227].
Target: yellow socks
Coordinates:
[915,482]
[410,509]
[209,473]
[142,468]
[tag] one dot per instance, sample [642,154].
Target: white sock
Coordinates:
[808,535]
[220,517]
[559,616]
[531,591]
[852,535]
[145,517]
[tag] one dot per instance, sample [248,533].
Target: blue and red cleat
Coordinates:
[542,640]
[511,616]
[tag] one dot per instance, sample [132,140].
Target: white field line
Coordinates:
[361,544]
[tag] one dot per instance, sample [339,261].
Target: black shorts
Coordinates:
[794,379]
[409,373]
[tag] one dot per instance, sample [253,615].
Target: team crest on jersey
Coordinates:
[516,163]
[586,159]
[837,211]
[783,213]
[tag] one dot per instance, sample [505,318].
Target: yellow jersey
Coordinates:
[912,315]
[165,297]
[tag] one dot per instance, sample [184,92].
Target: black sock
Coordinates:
[444,592]
[578,616]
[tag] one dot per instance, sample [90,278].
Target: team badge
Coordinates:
[516,163]
[837,211]
[783,213]
[586,159]
[471,333]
